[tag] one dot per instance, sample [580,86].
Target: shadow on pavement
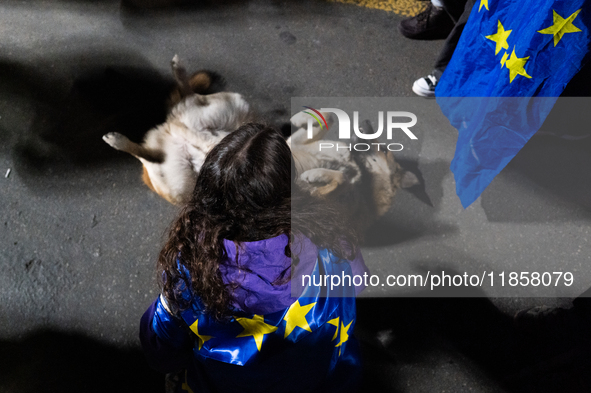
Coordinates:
[50,361]
[551,168]
[413,214]
[402,333]
[67,126]
[394,332]
[548,170]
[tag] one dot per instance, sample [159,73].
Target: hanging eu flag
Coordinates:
[512,62]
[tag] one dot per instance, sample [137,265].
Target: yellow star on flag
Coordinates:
[515,66]
[296,316]
[201,338]
[504,59]
[344,335]
[561,26]
[185,385]
[483,3]
[335,322]
[500,38]
[255,327]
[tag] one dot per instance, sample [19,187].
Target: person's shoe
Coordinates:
[425,87]
[432,24]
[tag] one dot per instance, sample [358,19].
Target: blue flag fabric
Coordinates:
[513,60]
[317,326]
[320,312]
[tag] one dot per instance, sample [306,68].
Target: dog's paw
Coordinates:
[300,119]
[116,140]
[175,62]
[314,176]
[178,69]
[322,176]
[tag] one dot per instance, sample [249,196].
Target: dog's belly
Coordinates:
[215,112]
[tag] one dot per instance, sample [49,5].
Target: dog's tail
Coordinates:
[206,82]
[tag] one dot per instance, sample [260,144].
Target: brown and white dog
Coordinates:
[173,152]
[364,182]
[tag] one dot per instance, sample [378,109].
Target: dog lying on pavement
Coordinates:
[173,152]
[364,182]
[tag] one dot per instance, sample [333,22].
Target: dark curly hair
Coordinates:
[245,191]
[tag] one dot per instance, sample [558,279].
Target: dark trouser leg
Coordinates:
[453,8]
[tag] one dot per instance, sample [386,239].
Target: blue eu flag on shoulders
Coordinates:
[309,344]
[320,312]
[513,60]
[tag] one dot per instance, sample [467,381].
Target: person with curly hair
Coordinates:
[243,306]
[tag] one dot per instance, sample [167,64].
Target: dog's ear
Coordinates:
[409,180]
